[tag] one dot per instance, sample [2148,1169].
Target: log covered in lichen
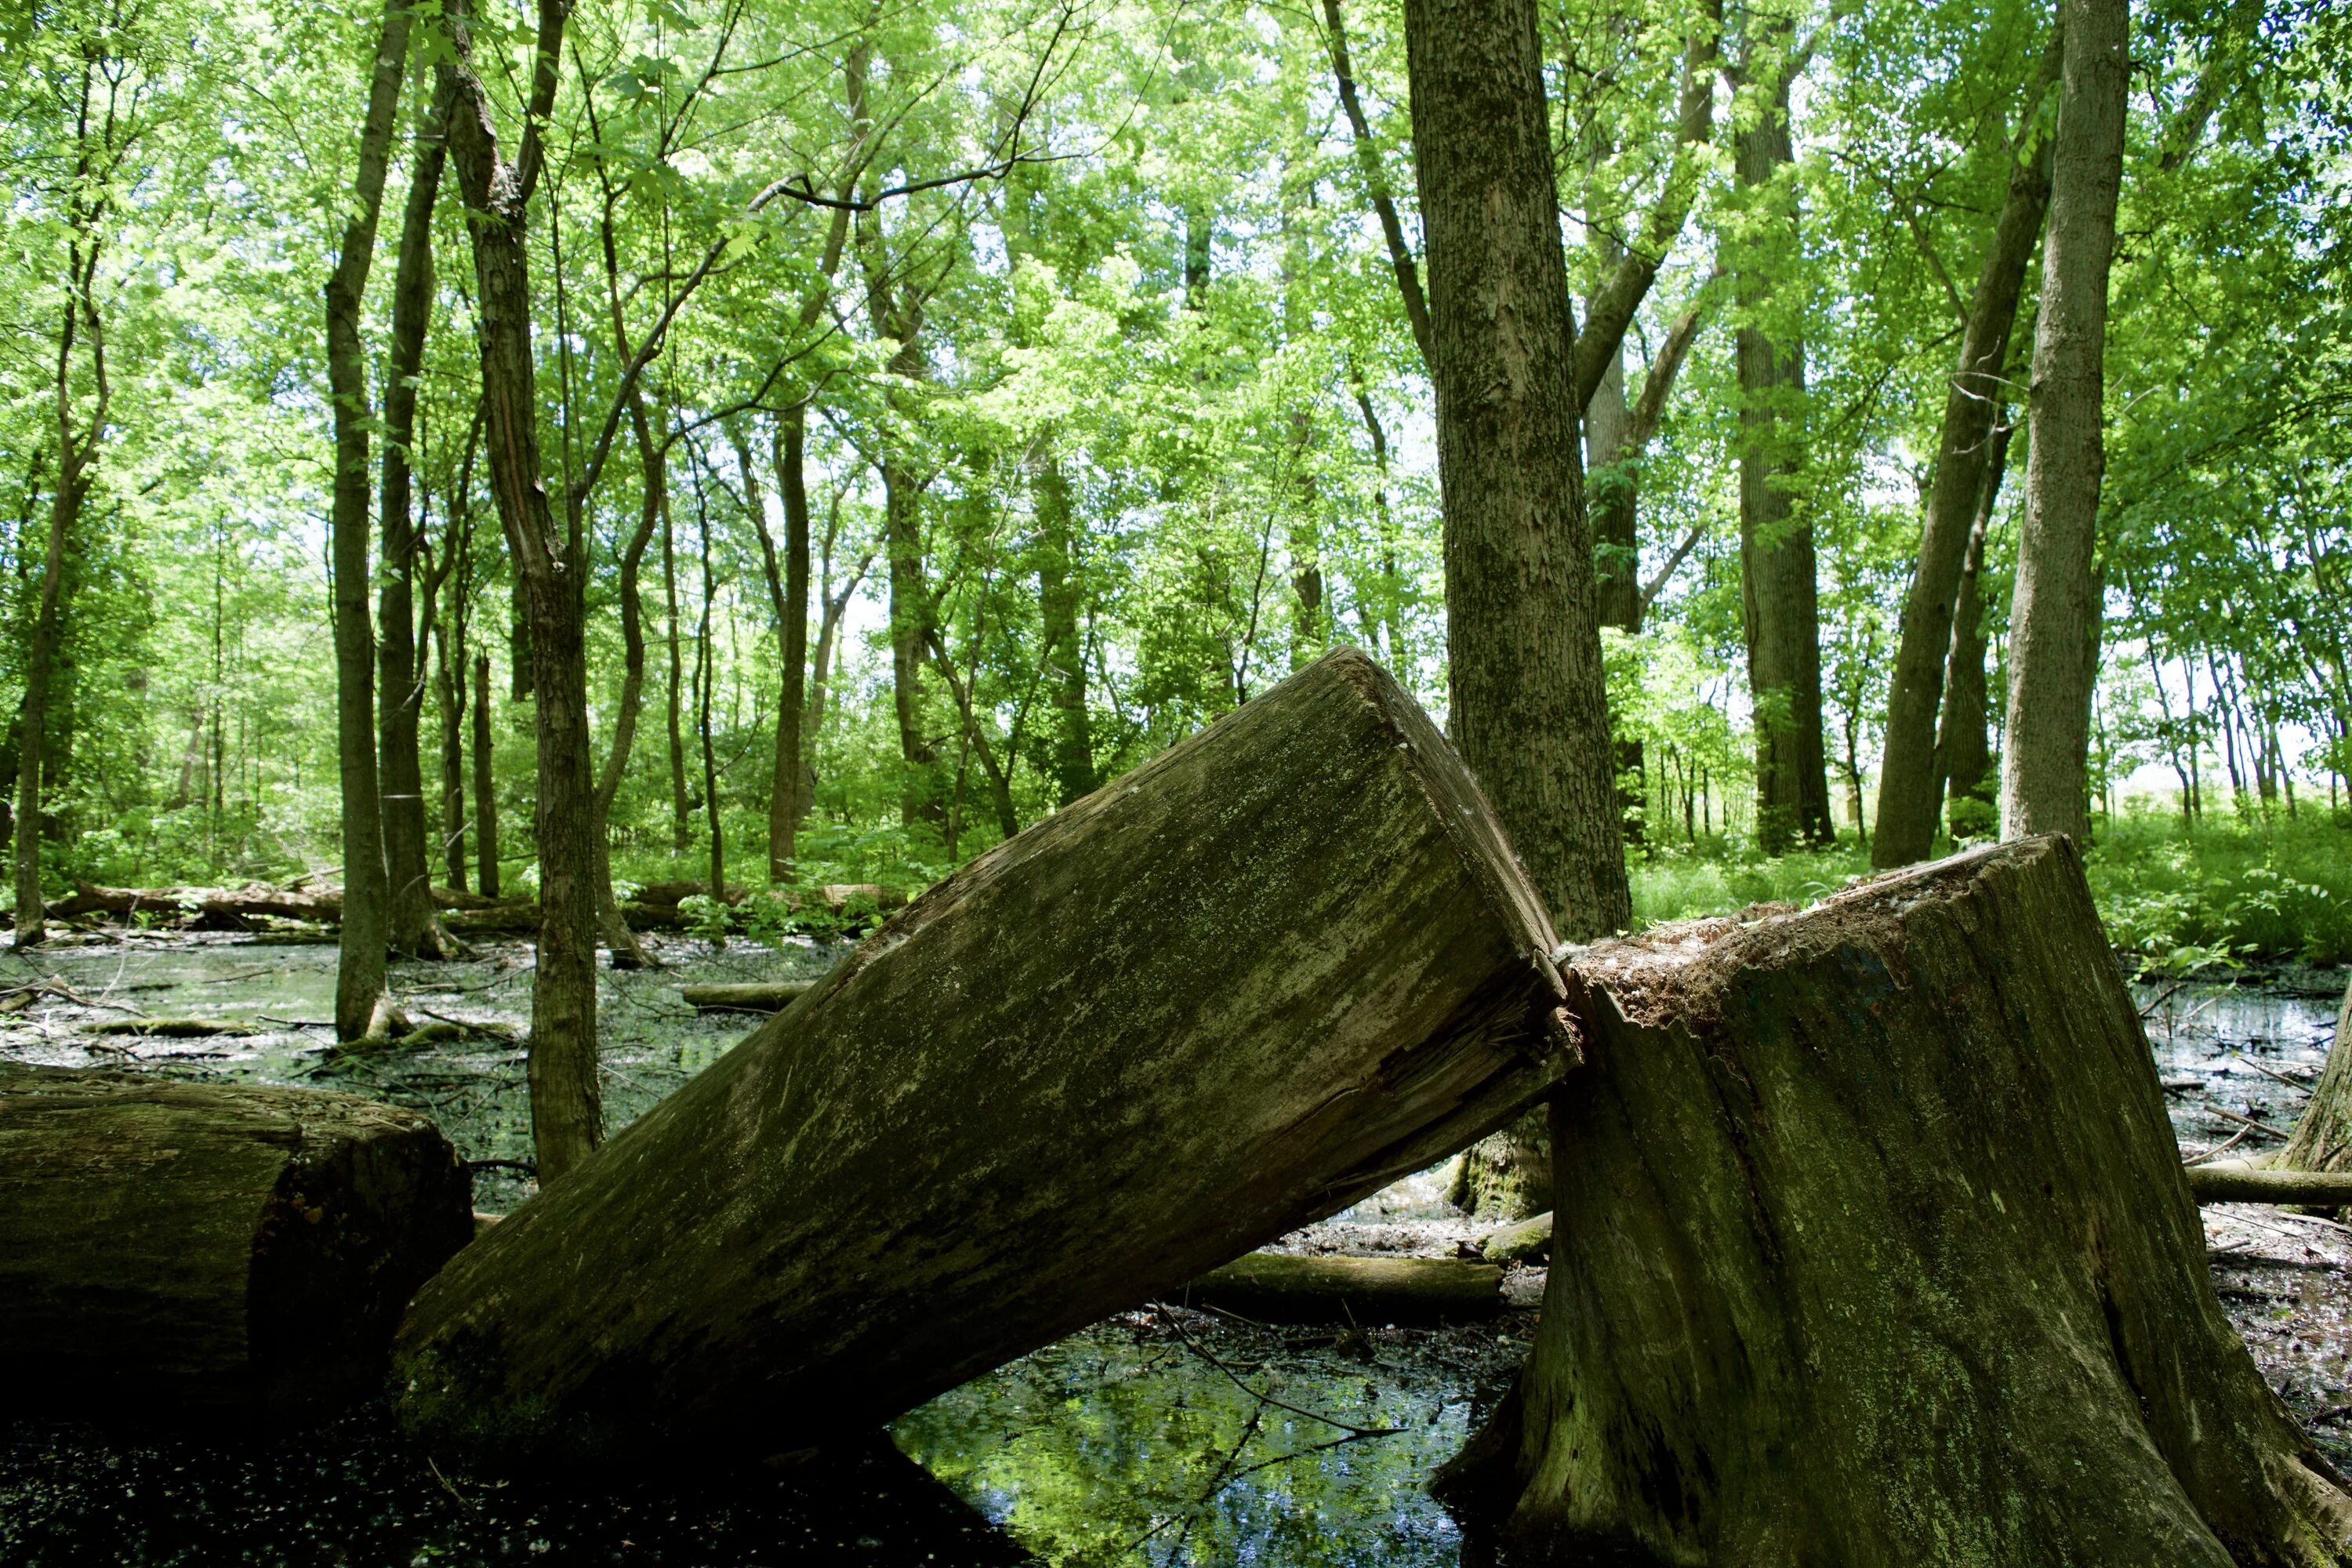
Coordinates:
[1268,972]
[177,1250]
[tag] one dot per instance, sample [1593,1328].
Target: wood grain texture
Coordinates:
[1254,981]
[169,1250]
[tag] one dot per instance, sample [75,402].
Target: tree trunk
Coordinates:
[1616,537]
[40,656]
[401,684]
[1779,596]
[1874,1246]
[787,798]
[653,503]
[1962,757]
[179,1250]
[2323,1139]
[449,696]
[1065,649]
[566,1099]
[363,1003]
[680,811]
[2054,607]
[486,784]
[706,672]
[1288,960]
[1529,701]
[1908,785]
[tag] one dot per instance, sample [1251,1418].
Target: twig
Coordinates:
[2218,1149]
[2244,1120]
[2267,1072]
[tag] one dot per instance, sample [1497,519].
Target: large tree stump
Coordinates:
[2323,1137]
[171,1250]
[1872,1246]
[1257,979]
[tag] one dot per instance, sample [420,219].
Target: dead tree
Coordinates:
[1275,968]
[1871,1245]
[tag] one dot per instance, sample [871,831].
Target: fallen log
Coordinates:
[1523,1242]
[1872,1245]
[221,904]
[170,1249]
[753,996]
[2230,1182]
[1254,981]
[1276,1288]
[177,1028]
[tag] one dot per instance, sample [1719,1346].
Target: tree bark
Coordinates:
[2054,607]
[362,1001]
[1288,960]
[680,811]
[551,561]
[486,784]
[2323,1137]
[1065,650]
[414,930]
[1962,757]
[1909,789]
[1873,1246]
[192,1251]
[787,798]
[1779,593]
[1529,699]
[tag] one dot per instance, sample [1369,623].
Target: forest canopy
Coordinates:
[945,407]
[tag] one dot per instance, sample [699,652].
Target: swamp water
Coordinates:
[1158,1437]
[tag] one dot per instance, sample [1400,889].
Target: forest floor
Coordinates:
[1160,1436]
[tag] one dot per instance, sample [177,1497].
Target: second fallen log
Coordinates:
[1252,982]
[746,996]
[1278,1287]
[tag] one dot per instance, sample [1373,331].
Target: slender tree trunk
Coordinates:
[1779,594]
[706,671]
[627,951]
[449,693]
[363,1003]
[1064,652]
[64,510]
[486,784]
[1907,780]
[1962,757]
[1530,702]
[681,831]
[2055,607]
[551,561]
[787,796]
[416,929]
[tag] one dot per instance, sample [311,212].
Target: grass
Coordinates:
[2230,891]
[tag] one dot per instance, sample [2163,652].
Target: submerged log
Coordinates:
[751,996]
[169,1250]
[1872,1245]
[1277,1288]
[1254,981]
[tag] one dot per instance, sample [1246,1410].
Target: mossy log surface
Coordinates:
[1873,1245]
[1249,983]
[2231,1182]
[1278,1287]
[174,1251]
[1526,1241]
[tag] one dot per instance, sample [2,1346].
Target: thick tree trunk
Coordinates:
[1962,755]
[551,562]
[1529,699]
[2323,1139]
[400,683]
[1064,652]
[363,1003]
[1287,961]
[1779,593]
[1874,1246]
[1909,787]
[1616,536]
[486,784]
[2055,607]
[175,1250]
